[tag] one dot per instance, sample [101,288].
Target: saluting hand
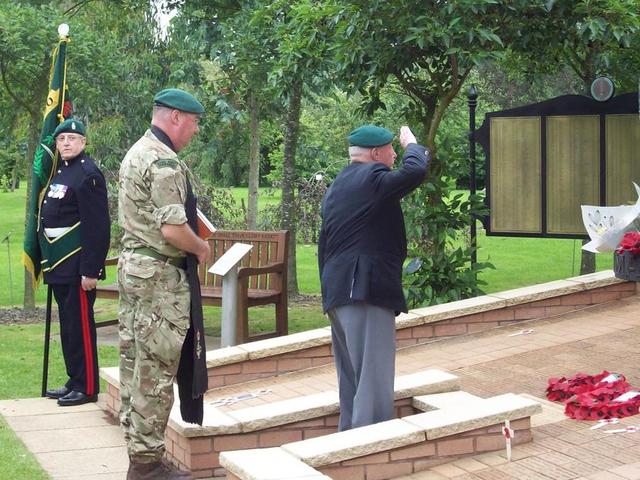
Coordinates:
[406,136]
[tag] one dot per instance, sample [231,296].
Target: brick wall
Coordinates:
[321,355]
[421,456]
[201,454]
[113,400]
[513,314]
[267,367]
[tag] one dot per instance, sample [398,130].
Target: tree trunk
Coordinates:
[29,299]
[20,166]
[14,177]
[587,261]
[17,167]
[288,180]
[254,162]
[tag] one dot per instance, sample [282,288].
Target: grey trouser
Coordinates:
[364,348]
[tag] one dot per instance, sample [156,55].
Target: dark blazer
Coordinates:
[82,198]
[362,243]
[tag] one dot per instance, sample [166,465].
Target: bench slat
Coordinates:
[265,275]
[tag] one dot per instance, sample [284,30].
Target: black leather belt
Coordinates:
[180,262]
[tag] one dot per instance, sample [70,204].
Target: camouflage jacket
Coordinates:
[152,192]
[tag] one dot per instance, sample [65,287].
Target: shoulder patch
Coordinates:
[166,163]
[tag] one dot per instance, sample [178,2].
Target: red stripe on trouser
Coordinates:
[86,341]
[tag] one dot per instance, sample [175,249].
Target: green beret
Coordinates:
[370,136]
[70,125]
[178,99]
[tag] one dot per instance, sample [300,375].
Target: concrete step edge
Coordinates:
[301,408]
[359,442]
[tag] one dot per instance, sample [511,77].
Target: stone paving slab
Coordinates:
[268,464]
[84,437]
[87,463]
[437,401]
[341,446]
[40,406]
[464,418]
[287,411]
[95,476]
[58,421]
[69,439]
[551,412]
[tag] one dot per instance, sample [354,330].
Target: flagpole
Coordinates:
[47,335]
[63,33]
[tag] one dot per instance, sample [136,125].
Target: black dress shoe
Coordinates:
[57,393]
[76,398]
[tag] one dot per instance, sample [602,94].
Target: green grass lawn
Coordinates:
[518,261]
[21,377]
[528,261]
[266,196]
[16,462]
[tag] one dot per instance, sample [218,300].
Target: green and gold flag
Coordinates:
[57,108]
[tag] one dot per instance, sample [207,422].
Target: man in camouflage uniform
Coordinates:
[154,290]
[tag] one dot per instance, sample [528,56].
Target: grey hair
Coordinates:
[355,151]
[161,111]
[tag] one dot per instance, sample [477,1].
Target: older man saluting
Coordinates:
[361,250]
[160,309]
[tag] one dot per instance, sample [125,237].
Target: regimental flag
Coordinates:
[57,108]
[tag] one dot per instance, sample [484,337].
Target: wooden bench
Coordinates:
[262,278]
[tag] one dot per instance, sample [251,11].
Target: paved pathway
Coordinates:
[488,363]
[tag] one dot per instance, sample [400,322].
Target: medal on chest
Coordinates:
[57,190]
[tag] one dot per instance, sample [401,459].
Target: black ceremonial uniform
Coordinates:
[362,243]
[74,241]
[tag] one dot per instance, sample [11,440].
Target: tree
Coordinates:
[253,42]
[100,84]
[236,45]
[300,56]
[426,53]
[24,69]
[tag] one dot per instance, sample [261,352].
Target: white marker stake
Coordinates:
[629,429]
[605,421]
[522,332]
[507,432]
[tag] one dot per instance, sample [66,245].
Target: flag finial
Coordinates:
[63,30]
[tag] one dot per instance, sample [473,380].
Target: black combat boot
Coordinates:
[156,471]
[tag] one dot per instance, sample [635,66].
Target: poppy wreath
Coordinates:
[588,397]
[630,243]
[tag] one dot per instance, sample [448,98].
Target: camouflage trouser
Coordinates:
[154,319]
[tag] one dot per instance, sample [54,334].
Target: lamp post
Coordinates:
[472,97]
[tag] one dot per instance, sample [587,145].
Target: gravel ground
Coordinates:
[18,316]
